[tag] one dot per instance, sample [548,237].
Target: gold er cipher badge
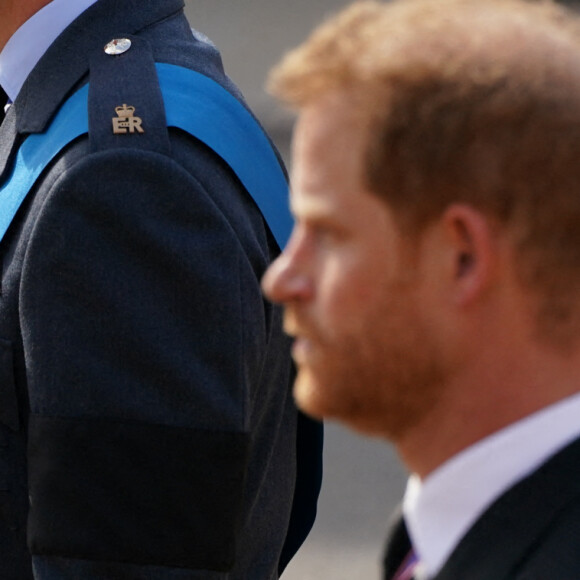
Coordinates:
[126,122]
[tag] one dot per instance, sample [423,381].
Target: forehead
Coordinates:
[328,185]
[328,148]
[333,119]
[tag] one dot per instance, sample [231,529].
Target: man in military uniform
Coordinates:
[147,428]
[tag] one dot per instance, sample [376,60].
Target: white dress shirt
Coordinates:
[440,510]
[27,45]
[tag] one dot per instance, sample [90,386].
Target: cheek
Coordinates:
[348,293]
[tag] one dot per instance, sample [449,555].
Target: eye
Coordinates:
[326,234]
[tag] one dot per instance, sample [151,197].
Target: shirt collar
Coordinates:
[20,54]
[440,510]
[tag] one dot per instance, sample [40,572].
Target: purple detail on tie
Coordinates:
[407,567]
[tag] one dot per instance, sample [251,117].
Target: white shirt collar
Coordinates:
[440,510]
[27,45]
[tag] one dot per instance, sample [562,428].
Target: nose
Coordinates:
[286,279]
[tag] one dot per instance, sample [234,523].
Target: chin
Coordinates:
[320,398]
[311,397]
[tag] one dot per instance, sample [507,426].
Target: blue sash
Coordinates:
[194,103]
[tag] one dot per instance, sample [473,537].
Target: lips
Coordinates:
[303,344]
[301,349]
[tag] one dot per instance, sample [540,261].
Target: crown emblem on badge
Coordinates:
[125,111]
[126,122]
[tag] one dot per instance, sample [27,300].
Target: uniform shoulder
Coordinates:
[124,101]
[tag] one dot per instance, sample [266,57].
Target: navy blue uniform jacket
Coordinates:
[147,427]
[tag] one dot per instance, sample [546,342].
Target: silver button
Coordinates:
[118,46]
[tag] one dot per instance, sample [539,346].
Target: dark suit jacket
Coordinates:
[532,532]
[147,427]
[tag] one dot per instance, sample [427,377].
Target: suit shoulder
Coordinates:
[555,552]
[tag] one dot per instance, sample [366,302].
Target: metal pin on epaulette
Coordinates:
[118,46]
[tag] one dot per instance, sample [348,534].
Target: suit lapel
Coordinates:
[499,541]
[8,142]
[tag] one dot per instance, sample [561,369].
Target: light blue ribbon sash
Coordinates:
[194,103]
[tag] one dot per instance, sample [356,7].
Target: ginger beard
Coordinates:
[380,373]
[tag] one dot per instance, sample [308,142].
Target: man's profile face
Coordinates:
[364,353]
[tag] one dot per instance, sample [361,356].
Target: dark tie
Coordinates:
[3,101]
[400,560]
[407,567]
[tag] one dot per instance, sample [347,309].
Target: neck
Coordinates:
[491,394]
[14,13]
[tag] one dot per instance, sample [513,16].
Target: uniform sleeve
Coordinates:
[138,295]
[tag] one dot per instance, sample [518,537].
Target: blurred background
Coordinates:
[252,36]
[363,480]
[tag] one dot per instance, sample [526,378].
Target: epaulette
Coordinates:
[136,114]
[126,108]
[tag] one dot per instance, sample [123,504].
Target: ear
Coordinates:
[472,244]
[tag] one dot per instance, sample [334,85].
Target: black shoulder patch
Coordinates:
[126,107]
[140,493]
[8,401]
